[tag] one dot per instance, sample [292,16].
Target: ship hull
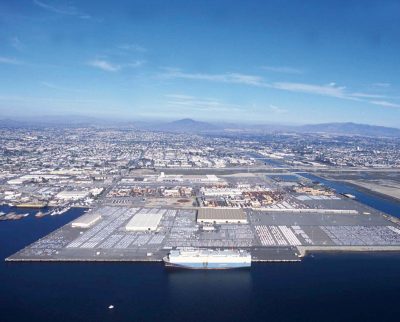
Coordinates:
[205,265]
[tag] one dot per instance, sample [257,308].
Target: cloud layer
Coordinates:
[68,9]
[330,90]
[112,67]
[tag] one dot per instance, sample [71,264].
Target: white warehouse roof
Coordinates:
[144,221]
[72,195]
[86,220]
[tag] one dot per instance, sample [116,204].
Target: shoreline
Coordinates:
[304,252]
[369,191]
[360,188]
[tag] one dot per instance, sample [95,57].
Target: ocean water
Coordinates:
[334,287]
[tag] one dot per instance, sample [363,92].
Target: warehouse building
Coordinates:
[72,195]
[221,216]
[86,220]
[144,221]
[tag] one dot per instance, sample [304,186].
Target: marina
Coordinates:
[13,216]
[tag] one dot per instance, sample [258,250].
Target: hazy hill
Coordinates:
[187,125]
[8,123]
[192,126]
[350,129]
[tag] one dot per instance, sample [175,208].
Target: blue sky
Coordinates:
[236,61]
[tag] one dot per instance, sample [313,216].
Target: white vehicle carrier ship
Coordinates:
[208,259]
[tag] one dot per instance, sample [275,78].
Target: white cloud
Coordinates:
[283,69]
[60,88]
[365,95]
[253,80]
[195,103]
[133,47]
[180,96]
[135,64]
[385,104]
[224,78]
[111,67]
[9,60]
[277,109]
[381,84]
[17,44]
[68,10]
[330,90]
[326,90]
[104,65]
[30,99]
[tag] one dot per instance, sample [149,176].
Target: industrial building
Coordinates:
[221,216]
[142,221]
[72,195]
[86,220]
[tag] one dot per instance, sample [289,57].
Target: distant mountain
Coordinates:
[187,125]
[8,123]
[350,129]
[62,121]
[66,120]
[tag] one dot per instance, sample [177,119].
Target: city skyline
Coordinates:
[277,62]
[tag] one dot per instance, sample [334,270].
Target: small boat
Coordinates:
[13,216]
[60,211]
[40,214]
[64,210]
[349,195]
[55,212]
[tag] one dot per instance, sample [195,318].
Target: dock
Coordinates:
[281,236]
